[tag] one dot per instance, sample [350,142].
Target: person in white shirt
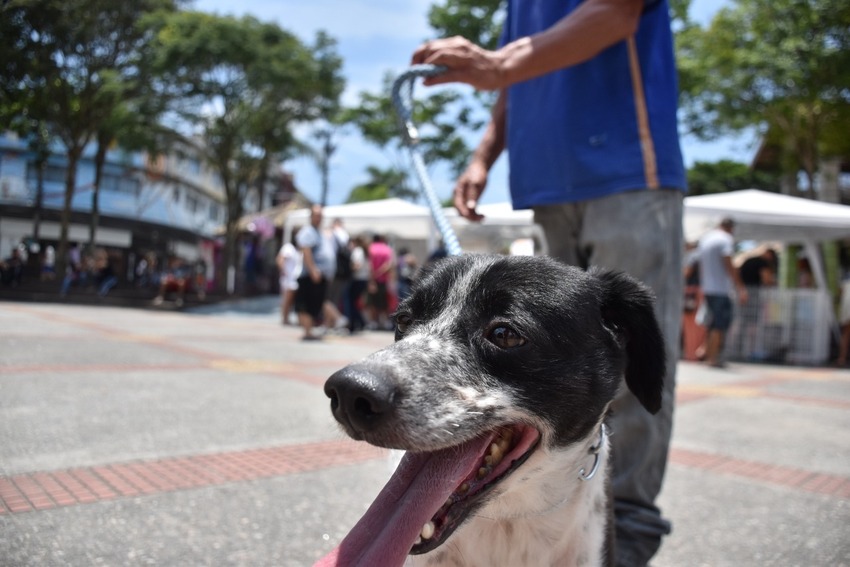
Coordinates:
[719,281]
[289,268]
[361,273]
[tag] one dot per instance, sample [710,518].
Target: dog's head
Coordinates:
[496,357]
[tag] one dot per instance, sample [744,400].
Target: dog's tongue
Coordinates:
[417,490]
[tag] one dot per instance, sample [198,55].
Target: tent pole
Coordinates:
[816,262]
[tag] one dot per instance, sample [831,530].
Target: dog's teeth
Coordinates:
[463,488]
[427,531]
[496,453]
[482,472]
[504,442]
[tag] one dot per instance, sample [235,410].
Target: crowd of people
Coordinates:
[96,269]
[333,281]
[88,269]
[727,294]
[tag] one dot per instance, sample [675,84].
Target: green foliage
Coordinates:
[244,86]
[480,21]
[441,117]
[68,69]
[780,66]
[383,184]
[727,175]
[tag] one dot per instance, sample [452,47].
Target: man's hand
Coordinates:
[469,187]
[466,62]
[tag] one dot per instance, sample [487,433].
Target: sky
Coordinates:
[377,36]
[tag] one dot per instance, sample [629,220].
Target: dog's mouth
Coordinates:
[430,495]
[507,449]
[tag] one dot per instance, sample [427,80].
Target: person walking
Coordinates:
[382,262]
[317,271]
[756,272]
[289,268]
[720,281]
[342,275]
[361,273]
[586,107]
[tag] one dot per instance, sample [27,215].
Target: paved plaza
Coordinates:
[144,437]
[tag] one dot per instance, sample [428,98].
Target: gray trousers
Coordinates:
[638,232]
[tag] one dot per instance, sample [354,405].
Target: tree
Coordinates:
[383,184]
[779,66]
[329,123]
[64,63]
[244,85]
[726,175]
[441,117]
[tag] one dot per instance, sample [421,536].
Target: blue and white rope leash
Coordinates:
[402,97]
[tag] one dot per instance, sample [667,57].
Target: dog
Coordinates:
[497,387]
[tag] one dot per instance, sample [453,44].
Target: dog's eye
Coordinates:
[403,322]
[505,337]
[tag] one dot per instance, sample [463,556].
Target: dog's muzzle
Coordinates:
[360,400]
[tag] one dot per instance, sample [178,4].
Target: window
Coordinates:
[52,174]
[192,204]
[119,184]
[214,212]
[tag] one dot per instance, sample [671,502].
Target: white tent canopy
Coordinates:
[760,215]
[387,216]
[502,214]
[402,219]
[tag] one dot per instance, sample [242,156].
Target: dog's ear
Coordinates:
[627,310]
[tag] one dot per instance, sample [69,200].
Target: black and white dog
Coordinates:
[497,387]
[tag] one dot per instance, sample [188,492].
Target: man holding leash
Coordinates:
[587,111]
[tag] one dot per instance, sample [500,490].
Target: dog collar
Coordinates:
[594,450]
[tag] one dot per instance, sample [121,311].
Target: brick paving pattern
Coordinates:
[45,490]
[226,352]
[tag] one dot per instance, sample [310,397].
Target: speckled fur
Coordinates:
[449,383]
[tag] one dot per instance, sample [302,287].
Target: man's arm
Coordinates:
[310,263]
[471,184]
[579,36]
[736,279]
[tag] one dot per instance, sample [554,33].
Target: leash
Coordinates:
[402,97]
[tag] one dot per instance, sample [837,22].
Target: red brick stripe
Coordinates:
[798,479]
[44,490]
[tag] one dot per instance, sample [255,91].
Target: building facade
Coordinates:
[167,206]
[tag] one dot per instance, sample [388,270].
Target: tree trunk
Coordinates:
[42,154]
[231,239]
[73,156]
[99,160]
[231,268]
[39,198]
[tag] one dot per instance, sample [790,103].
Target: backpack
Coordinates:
[343,262]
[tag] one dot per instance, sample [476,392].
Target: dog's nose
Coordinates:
[360,400]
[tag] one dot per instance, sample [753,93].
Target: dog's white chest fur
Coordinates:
[545,516]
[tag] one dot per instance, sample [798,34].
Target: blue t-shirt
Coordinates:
[605,126]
